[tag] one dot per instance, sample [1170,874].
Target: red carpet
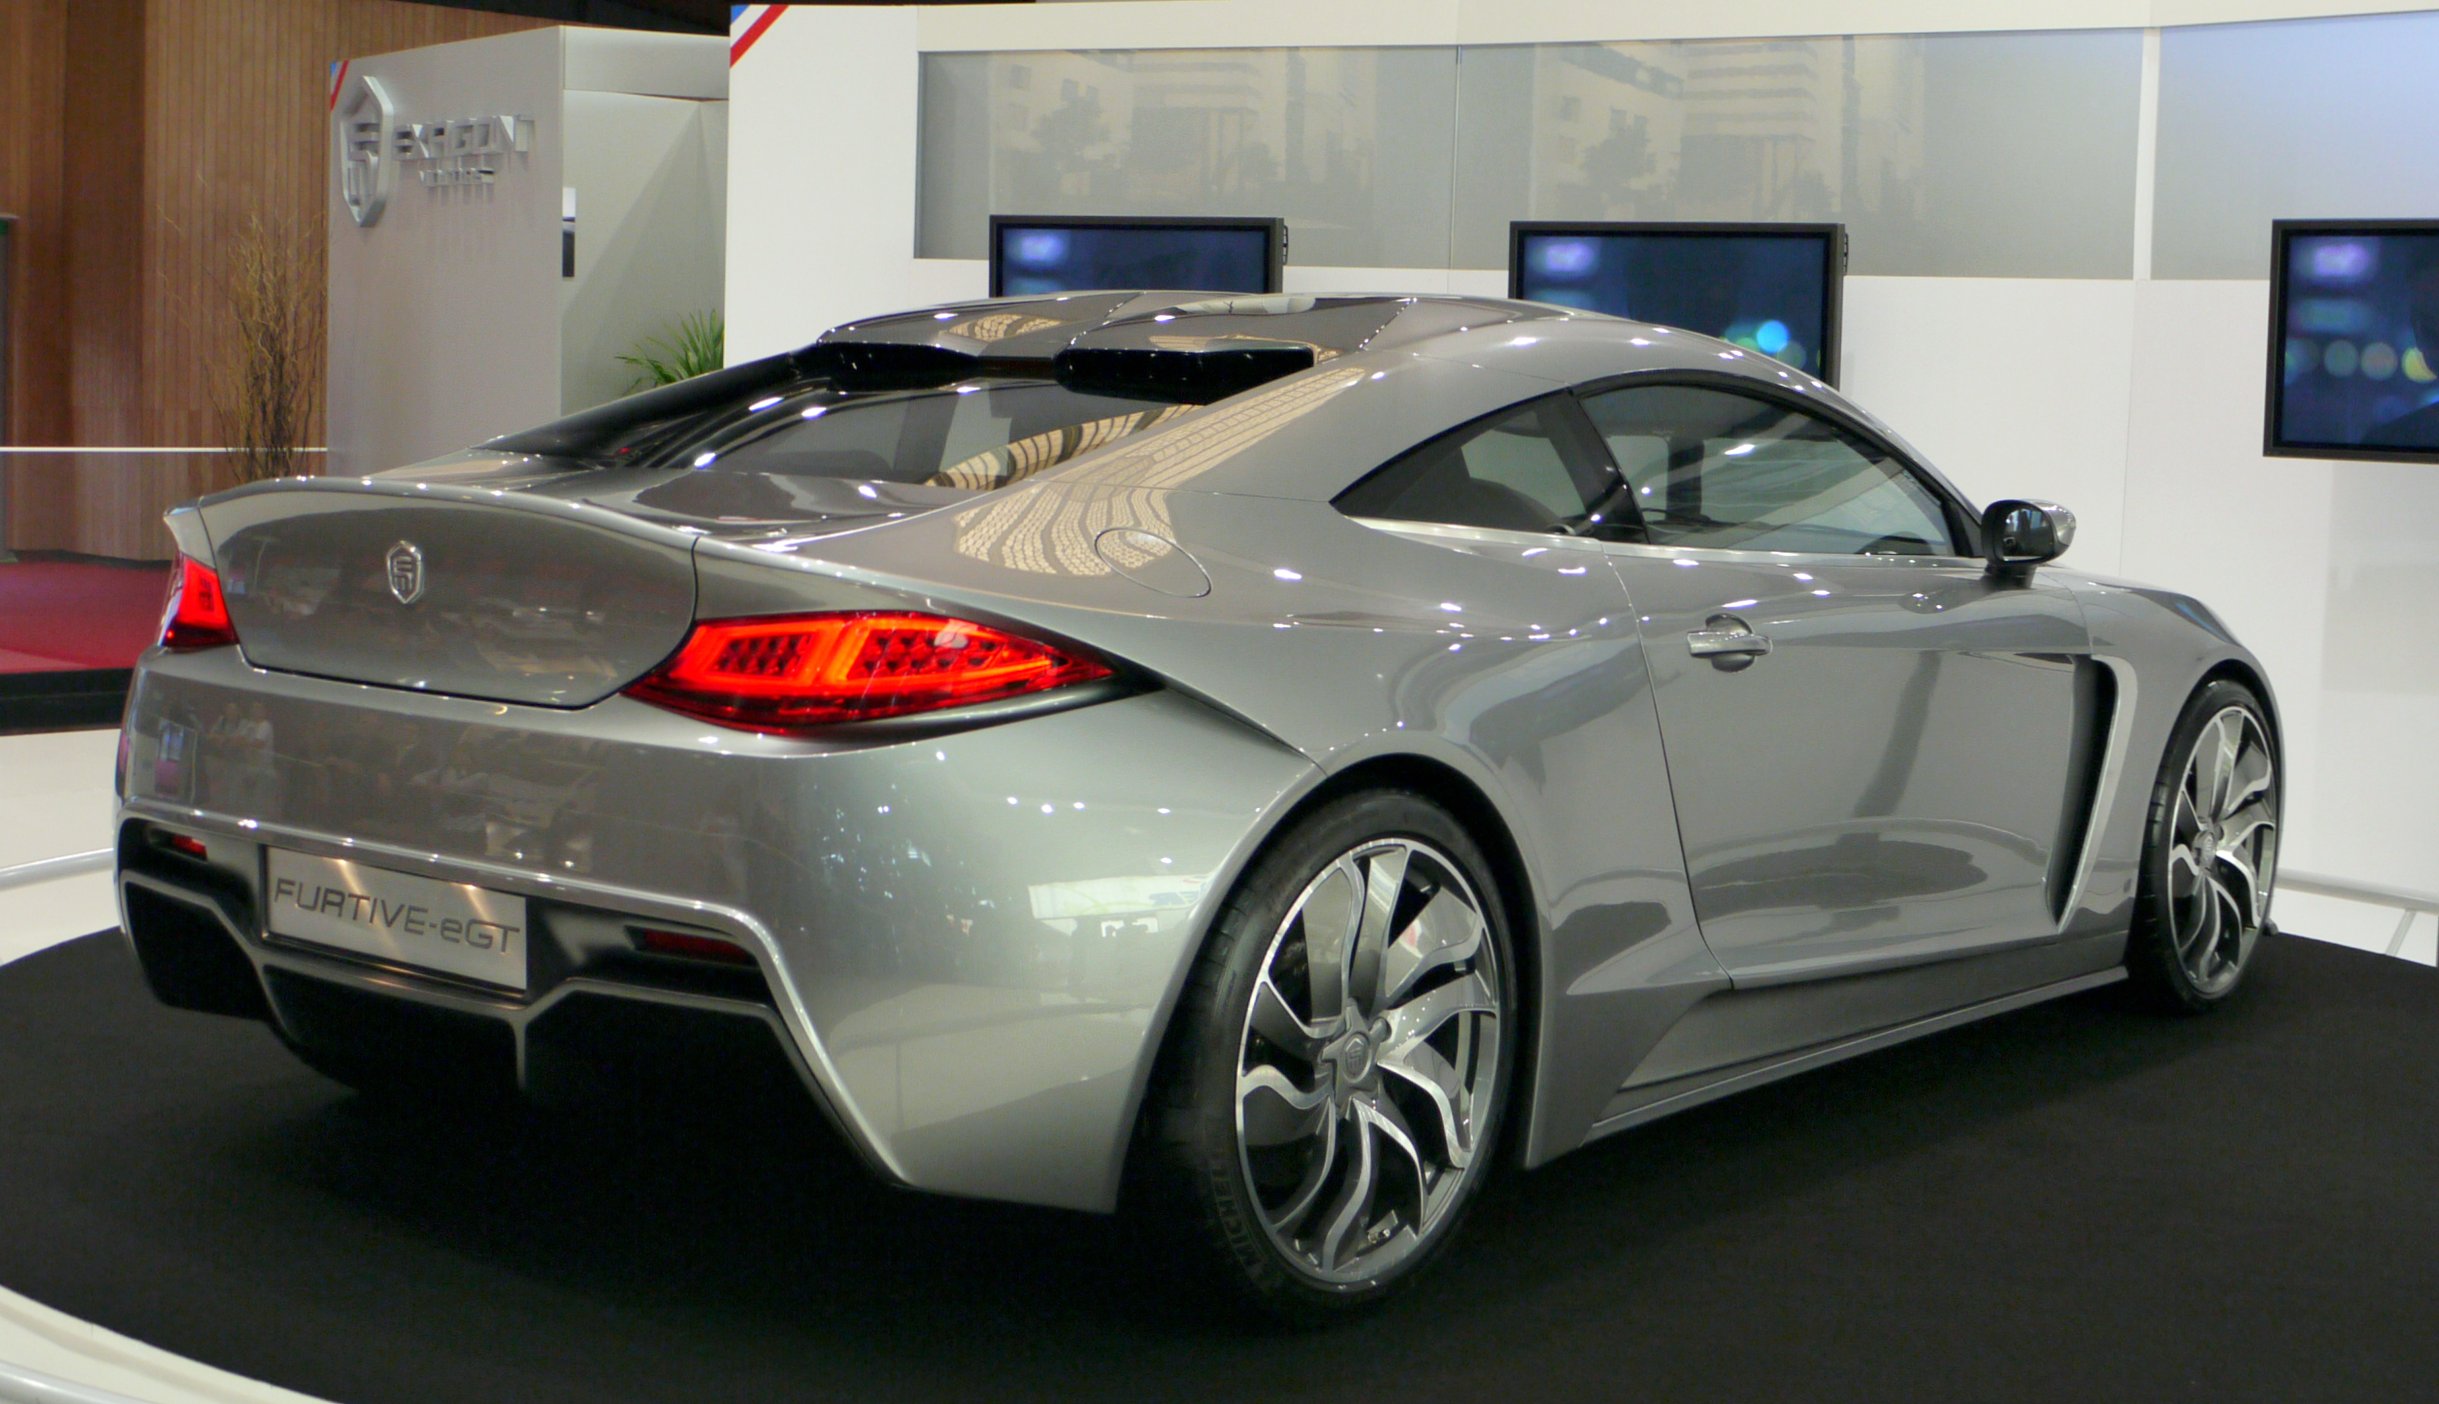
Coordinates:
[68,613]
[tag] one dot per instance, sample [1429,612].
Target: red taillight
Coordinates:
[187,844]
[198,614]
[782,672]
[692,947]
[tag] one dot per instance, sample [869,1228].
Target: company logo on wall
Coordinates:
[359,122]
[372,145]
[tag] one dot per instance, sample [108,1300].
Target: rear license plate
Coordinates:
[448,928]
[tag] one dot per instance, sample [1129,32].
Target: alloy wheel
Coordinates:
[2223,849]
[1368,1063]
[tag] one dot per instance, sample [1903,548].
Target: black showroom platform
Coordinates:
[2080,1201]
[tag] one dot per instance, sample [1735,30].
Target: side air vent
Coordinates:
[2088,750]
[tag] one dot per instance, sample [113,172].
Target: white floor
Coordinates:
[55,794]
[55,805]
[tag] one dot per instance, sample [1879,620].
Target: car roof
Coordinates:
[1376,373]
[1330,325]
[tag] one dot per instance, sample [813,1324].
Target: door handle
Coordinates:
[1726,636]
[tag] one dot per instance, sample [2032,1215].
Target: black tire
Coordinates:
[2162,970]
[1199,1179]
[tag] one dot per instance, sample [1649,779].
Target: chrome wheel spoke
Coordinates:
[1316,1177]
[1383,884]
[2240,865]
[1275,1021]
[1328,914]
[1389,1122]
[1274,1111]
[1353,1205]
[2204,935]
[2252,780]
[1446,932]
[2181,859]
[1369,1051]
[1421,1066]
[2221,738]
[2238,829]
[1421,1017]
[2227,913]
[1389,1125]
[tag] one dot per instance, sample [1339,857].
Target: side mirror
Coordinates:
[2018,535]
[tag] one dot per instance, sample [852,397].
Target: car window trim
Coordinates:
[1964,527]
[1572,431]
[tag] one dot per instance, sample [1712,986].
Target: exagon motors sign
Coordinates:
[372,144]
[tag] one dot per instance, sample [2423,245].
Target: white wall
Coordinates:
[650,176]
[2137,403]
[444,314]
[2330,571]
[821,212]
[449,320]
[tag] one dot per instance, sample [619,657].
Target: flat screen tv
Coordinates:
[1772,288]
[1036,254]
[2354,339]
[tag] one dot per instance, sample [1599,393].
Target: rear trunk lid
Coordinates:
[450,587]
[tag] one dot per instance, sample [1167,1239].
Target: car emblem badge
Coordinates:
[406,572]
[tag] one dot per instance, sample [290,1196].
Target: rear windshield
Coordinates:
[977,434]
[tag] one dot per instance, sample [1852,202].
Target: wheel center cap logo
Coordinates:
[1356,1058]
[405,562]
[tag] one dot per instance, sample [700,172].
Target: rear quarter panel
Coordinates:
[1508,660]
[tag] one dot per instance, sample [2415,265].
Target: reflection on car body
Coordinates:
[1276,758]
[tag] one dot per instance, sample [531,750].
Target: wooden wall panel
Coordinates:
[103,154]
[33,76]
[159,127]
[238,123]
[33,72]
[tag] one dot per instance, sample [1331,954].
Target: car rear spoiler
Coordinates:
[1195,370]
[1189,374]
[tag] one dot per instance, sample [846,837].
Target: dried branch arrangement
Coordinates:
[268,390]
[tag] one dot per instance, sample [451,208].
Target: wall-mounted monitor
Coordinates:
[1772,288]
[2354,339]
[1036,254]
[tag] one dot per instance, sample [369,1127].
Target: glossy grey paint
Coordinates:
[521,605]
[1899,714]
[970,945]
[1537,673]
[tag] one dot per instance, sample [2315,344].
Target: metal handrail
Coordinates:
[2377,894]
[129,448]
[45,869]
[30,449]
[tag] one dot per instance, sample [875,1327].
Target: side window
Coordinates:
[1524,470]
[1715,468]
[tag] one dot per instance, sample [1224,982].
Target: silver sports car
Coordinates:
[1269,759]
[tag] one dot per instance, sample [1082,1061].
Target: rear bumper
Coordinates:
[965,945]
[600,1019]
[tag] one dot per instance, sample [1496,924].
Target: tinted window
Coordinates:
[979,434]
[1714,468]
[1518,471]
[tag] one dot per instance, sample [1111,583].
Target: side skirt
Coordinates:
[1637,1105]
